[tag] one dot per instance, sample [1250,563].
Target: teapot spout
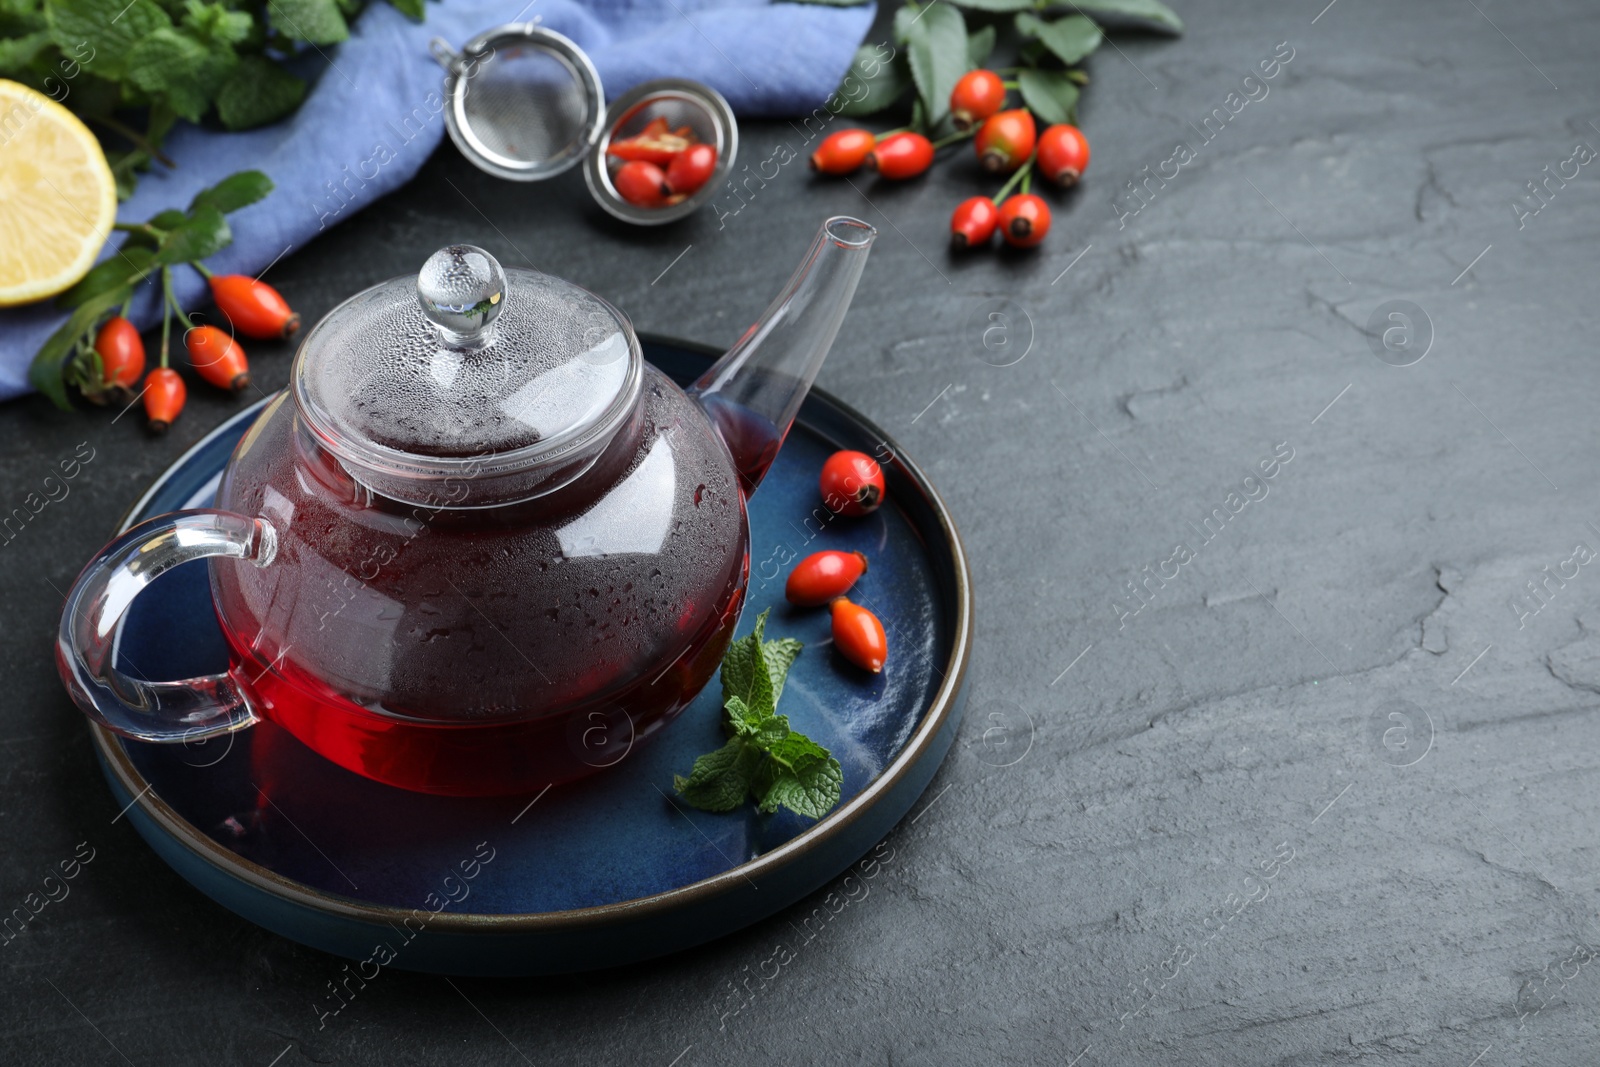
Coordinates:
[754,391]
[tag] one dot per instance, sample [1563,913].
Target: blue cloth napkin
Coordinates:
[374,116]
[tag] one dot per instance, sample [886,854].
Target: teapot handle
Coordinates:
[190,710]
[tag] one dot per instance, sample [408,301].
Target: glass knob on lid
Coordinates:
[462,290]
[468,385]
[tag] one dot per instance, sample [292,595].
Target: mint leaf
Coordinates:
[764,759]
[312,21]
[17,52]
[1070,38]
[797,751]
[111,28]
[780,656]
[1153,10]
[936,43]
[720,780]
[745,674]
[227,196]
[216,24]
[1050,94]
[411,9]
[771,731]
[256,93]
[811,791]
[741,720]
[175,65]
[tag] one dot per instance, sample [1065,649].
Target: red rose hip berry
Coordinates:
[902,155]
[121,354]
[1063,154]
[1024,220]
[843,152]
[641,184]
[255,308]
[979,94]
[974,222]
[691,168]
[822,576]
[1005,141]
[217,358]
[852,484]
[859,636]
[164,394]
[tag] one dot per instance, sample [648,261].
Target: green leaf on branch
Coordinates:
[936,42]
[1153,11]
[256,93]
[764,760]
[46,373]
[128,266]
[204,233]
[1069,39]
[1050,94]
[996,5]
[885,81]
[227,196]
[979,45]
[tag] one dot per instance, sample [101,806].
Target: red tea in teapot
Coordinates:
[474,651]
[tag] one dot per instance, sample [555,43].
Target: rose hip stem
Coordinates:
[1024,175]
[960,135]
[167,304]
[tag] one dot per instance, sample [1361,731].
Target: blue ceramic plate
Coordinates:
[603,872]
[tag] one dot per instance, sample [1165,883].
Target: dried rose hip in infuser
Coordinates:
[654,144]
[690,169]
[641,184]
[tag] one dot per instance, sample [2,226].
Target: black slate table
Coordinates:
[1316,788]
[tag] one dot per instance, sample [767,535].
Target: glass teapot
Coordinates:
[478,545]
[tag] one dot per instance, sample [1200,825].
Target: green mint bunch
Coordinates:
[764,760]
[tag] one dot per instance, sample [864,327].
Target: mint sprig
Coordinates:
[764,760]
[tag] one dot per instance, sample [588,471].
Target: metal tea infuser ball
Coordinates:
[525,103]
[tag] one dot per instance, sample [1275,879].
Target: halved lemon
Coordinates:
[57,197]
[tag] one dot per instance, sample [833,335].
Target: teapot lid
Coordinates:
[495,379]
